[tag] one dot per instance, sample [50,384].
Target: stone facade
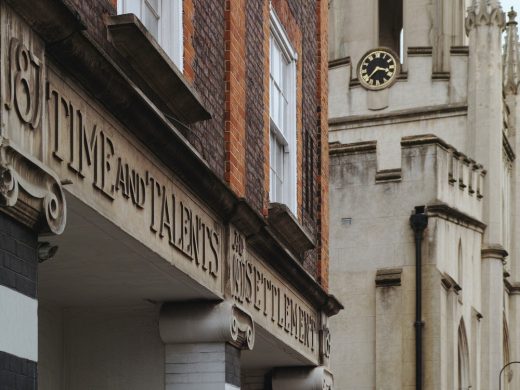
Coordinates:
[139,245]
[440,143]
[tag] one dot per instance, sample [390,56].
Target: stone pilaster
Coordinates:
[484,25]
[493,317]
[203,342]
[389,332]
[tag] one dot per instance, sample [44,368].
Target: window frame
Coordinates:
[289,139]
[170,30]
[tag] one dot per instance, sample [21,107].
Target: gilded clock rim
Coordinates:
[394,77]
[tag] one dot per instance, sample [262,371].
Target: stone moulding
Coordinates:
[483,14]
[512,288]
[206,322]
[30,192]
[337,148]
[388,277]
[444,211]
[494,251]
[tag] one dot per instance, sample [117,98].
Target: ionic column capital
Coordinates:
[206,322]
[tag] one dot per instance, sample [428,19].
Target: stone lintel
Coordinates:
[206,322]
[444,211]
[388,277]
[302,378]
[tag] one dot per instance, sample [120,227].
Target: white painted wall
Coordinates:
[100,348]
[18,324]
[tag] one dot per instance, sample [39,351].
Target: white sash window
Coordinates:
[282,110]
[163,18]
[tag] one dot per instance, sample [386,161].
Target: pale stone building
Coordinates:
[423,171]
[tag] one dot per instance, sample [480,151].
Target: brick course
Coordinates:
[18,257]
[256,124]
[17,373]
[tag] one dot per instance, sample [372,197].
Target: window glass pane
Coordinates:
[281,109]
[151,21]
[132,7]
[154,4]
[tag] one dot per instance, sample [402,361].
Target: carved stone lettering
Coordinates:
[85,146]
[258,289]
[25,83]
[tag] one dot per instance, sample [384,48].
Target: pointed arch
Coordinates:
[463,358]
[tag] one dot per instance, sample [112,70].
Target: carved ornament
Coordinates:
[242,329]
[30,192]
[484,15]
[25,83]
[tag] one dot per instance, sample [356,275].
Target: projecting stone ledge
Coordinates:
[157,75]
[287,226]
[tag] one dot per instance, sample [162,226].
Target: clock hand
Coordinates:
[377,68]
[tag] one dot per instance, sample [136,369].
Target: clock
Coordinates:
[378,69]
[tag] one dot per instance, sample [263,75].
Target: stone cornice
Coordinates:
[30,192]
[424,139]
[444,211]
[494,251]
[399,116]
[339,62]
[512,288]
[337,148]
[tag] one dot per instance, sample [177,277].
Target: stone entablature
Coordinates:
[120,178]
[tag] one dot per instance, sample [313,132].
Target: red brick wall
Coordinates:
[234,131]
[256,103]
[323,129]
[226,58]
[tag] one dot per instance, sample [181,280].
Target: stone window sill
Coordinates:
[283,222]
[155,72]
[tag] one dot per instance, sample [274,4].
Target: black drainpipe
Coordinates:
[418,222]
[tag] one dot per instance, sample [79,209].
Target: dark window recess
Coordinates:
[390,24]
[309,179]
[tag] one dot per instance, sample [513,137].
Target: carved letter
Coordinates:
[25,83]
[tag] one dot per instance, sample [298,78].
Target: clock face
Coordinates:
[378,69]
